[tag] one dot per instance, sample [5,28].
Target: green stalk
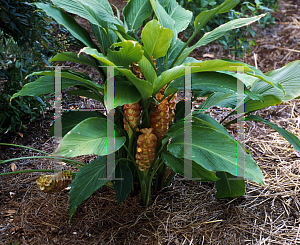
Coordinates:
[183,48]
[45,157]
[168,181]
[141,176]
[32,171]
[26,147]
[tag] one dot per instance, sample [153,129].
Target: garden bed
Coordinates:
[186,212]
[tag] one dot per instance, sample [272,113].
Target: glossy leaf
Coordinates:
[88,179]
[74,57]
[205,16]
[216,33]
[182,17]
[125,93]
[156,39]
[211,122]
[72,76]
[163,17]
[44,85]
[71,25]
[144,87]
[95,11]
[208,65]
[291,138]
[215,151]
[135,12]
[72,118]
[229,186]
[89,137]
[87,94]
[122,187]
[148,71]
[198,172]
[104,36]
[129,52]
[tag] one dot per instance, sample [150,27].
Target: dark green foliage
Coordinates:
[28,38]
[236,41]
[15,64]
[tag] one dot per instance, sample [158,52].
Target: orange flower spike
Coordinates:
[55,182]
[132,113]
[146,148]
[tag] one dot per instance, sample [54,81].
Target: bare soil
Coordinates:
[186,212]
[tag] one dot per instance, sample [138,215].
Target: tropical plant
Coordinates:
[148,143]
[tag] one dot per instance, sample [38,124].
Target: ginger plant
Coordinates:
[151,64]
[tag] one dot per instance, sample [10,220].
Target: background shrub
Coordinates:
[28,38]
[236,41]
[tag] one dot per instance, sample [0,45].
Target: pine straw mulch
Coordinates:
[186,212]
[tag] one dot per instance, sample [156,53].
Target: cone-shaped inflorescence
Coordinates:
[55,182]
[146,148]
[132,113]
[172,107]
[159,117]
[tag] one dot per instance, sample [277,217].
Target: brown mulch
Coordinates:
[186,212]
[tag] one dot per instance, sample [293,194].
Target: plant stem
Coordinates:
[183,48]
[168,181]
[26,147]
[45,157]
[31,171]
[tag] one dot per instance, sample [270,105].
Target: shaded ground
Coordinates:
[186,212]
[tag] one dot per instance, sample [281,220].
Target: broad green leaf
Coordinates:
[87,94]
[181,16]
[163,18]
[104,36]
[216,33]
[179,111]
[135,12]
[72,76]
[212,122]
[198,172]
[144,87]
[66,20]
[88,179]
[74,57]
[125,93]
[213,99]
[164,3]
[259,74]
[229,186]
[172,53]
[122,187]
[206,81]
[89,137]
[72,118]
[215,151]
[44,85]
[147,69]
[208,65]
[291,138]
[288,76]
[156,39]
[129,52]
[95,11]
[205,16]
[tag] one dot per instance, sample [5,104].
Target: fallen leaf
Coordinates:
[13,167]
